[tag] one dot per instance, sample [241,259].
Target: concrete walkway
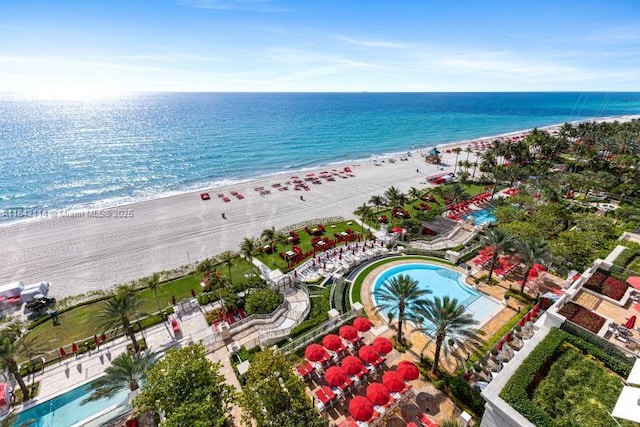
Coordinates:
[74,371]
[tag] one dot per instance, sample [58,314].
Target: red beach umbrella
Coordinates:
[408,370]
[362,324]
[634,281]
[103,337]
[361,408]
[499,345]
[378,394]
[352,365]
[315,352]
[335,376]
[349,333]
[382,345]
[368,354]
[332,342]
[522,322]
[74,348]
[631,322]
[63,353]
[393,381]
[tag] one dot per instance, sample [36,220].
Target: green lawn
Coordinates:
[80,322]
[273,261]
[634,265]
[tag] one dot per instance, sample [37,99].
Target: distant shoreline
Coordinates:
[211,186]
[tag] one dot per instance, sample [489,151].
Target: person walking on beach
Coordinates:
[302,198]
[224,216]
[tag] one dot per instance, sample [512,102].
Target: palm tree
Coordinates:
[247,247]
[364,212]
[377,202]
[449,319]
[267,237]
[153,283]
[455,192]
[395,197]
[9,350]
[401,293]
[533,251]
[501,242]
[415,193]
[456,150]
[126,371]
[117,312]
[228,258]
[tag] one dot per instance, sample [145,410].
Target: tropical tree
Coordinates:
[228,259]
[153,283]
[532,251]
[455,192]
[447,318]
[188,388]
[118,311]
[364,212]
[501,242]
[456,150]
[415,193]
[268,237]
[395,197]
[377,202]
[274,397]
[247,247]
[126,372]
[403,294]
[10,349]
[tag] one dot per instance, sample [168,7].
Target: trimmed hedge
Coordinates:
[520,387]
[317,314]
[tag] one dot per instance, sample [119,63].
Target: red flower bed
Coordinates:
[582,317]
[606,285]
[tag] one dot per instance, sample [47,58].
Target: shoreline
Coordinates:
[101,205]
[83,253]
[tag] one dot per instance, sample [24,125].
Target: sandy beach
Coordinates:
[117,245]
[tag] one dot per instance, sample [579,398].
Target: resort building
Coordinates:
[600,305]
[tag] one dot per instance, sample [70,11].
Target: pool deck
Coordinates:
[420,343]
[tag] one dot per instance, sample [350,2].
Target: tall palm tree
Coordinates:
[533,251]
[228,259]
[456,150]
[153,283]
[415,193]
[126,372]
[267,237]
[364,212]
[449,319]
[247,247]
[395,197]
[401,293]
[9,350]
[501,241]
[377,202]
[455,192]
[118,311]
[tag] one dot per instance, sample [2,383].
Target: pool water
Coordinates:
[481,217]
[442,281]
[65,410]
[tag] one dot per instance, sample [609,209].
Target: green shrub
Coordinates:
[520,388]
[263,301]
[469,398]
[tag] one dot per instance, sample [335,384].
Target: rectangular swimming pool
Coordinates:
[66,411]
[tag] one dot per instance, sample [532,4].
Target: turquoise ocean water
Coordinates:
[107,152]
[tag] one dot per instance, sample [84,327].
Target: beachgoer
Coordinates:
[224,216]
[302,198]
[418,170]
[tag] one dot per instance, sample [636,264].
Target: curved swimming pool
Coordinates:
[442,281]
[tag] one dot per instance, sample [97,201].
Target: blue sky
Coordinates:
[111,46]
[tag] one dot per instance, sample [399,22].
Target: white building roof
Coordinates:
[627,406]
[634,376]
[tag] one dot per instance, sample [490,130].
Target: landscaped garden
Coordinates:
[567,381]
[582,317]
[604,284]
